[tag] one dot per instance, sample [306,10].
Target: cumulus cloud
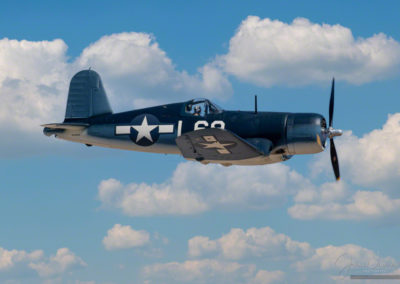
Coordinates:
[327,192]
[9,258]
[32,78]
[61,262]
[270,52]
[345,260]
[123,237]
[209,271]
[33,86]
[56,265]
[326,264]
[367,205]
[380,162]
[142,199]
[194,188]
[139,71]
[254,242]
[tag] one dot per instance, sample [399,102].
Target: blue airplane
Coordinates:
[198,129]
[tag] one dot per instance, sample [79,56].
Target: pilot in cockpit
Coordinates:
[197,110]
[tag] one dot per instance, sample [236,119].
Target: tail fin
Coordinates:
[86,96]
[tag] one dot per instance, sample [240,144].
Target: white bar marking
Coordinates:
[179,128]
[123,129]
[167,128]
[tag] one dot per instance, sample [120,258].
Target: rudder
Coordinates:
[86,96]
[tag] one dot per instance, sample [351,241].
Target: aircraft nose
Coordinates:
[334,132]
[306,133]
[322,133]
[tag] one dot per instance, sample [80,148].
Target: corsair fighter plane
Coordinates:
[198,129]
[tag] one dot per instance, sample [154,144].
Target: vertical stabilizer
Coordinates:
[86,96]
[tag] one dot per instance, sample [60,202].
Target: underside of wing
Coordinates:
[215,144]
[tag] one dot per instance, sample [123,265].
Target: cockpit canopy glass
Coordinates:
[201,107]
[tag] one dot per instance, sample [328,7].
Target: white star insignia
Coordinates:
[144,130]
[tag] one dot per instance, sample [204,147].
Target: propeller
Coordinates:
[331,132]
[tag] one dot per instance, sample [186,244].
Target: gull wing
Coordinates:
[215,144]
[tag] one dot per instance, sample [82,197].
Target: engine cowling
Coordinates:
[305,133]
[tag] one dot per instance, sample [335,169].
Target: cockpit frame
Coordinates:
[201,107]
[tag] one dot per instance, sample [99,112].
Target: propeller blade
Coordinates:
[332,102]
[334,160]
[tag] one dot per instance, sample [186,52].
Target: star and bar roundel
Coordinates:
[144,129]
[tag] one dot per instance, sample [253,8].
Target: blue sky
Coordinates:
[68,212]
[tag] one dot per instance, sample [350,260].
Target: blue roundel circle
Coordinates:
[144,130]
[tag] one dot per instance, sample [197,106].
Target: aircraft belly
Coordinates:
[124,143]
[262,160]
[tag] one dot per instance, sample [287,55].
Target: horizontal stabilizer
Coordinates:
[66,126]
[215,144]
[56,128]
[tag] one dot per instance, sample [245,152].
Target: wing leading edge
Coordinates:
[215,144]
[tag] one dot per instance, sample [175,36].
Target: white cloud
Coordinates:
[327,192]
[200,245]
[194,188]
[374,159]
[254,242]
[63,261]
[123,237]
[9,258]
[208,271]
[142,199]
[345,260]
[33,86]
[270,52]
[33,78]
[365,205]
[46,267]
[326,264]
[139,71]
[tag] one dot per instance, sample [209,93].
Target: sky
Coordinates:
[73,214]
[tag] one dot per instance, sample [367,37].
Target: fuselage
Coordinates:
[290,133]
